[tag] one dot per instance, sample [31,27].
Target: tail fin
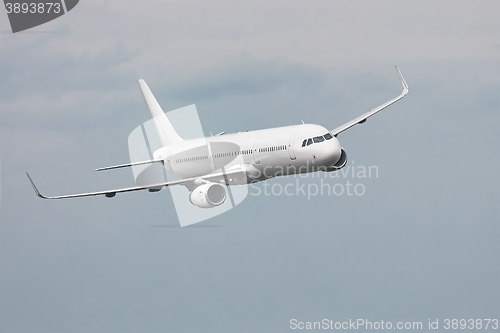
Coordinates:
[164,128]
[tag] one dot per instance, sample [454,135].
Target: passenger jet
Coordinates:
[205,165]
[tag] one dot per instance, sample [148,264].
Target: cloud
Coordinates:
[70,99]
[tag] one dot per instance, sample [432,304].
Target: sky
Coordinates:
[420,244]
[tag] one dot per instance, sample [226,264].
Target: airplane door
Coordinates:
[167,160]
[210,156]
[256,151]
[291,142]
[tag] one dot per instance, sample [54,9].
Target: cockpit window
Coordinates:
[328,136]
[304,143]
[318,139]
[309,142]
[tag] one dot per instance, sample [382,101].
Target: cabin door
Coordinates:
[291,142]
[256,151]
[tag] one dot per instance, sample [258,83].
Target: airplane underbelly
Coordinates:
[192,169]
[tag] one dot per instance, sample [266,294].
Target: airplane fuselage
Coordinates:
[262,154]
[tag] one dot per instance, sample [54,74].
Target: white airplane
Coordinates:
[205,165]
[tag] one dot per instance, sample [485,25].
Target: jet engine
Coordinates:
[340,163]
[208,195]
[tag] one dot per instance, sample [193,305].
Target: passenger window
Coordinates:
[318,139]
[328,136]
[309,142]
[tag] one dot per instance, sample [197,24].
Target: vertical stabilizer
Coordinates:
[164,128]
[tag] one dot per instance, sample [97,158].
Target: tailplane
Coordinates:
[164,128]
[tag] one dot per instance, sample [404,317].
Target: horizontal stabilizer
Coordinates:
[128,165]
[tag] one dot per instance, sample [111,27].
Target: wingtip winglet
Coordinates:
[34,187]
[402,79]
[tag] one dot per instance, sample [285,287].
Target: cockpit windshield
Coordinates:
[317,139]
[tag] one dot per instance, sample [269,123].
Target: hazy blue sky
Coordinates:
[421,243]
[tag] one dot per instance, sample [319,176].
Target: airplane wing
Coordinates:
[219,176]
[361,119]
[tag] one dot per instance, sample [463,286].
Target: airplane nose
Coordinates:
[333,151]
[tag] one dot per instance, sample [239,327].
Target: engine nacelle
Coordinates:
[208,195]
[340,163]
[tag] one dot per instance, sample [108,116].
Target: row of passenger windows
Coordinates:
[275,148]
[316,139]
[198,158]
[189,159]
[234,153]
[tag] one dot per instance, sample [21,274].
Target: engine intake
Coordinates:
[208,195]
[340,163]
